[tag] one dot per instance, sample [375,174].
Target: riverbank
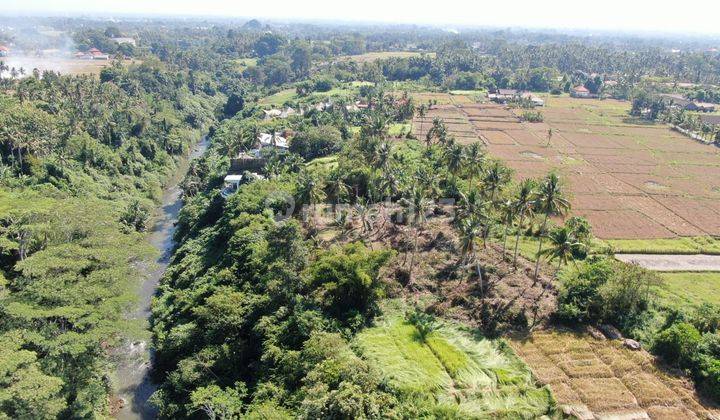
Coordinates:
[133,359]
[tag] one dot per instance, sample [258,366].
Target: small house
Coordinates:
[532,99]
[4,51]
[504,95]
[272,140]
[580,92]
[125,40]
[712,120]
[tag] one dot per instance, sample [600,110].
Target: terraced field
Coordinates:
[602,379]
[630,179]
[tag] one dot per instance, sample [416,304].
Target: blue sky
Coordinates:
[695,16]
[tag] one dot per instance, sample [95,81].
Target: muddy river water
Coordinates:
[134,357]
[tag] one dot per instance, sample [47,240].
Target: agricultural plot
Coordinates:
[476,377]
[630,179]
[601,379]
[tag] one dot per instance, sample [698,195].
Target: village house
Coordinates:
[534,100]
[278,113]
[679,101]
[4,51]
[581,92]
[251,163]
[92,54]
[504,95]
[712,120]
[125,40]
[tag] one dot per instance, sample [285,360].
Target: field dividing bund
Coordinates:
[630,179]
[596,378]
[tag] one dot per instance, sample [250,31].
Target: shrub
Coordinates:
[603,290]
[708,376]
[532,116]
[323,85]
[424,323]
[706,318]
[316,142]
[678,344]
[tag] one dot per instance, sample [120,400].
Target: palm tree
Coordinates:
[438,130]
[550,201]
[365,214]
[524,204]
[470,229]
[495,177]
[474,161]
[338,188]
[309,190]
[421,111]
[563,245]
[454,158]
[507,217]
[382,155]
[417,206]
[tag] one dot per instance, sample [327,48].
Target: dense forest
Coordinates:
[278,293]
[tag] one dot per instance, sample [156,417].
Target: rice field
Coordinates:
[479,378]
[594,378]
[629,178]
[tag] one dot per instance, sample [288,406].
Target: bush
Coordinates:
[323,85]
[708,376]
[532,116]
[706,318]
[315,142]
[678,344]
[607,291]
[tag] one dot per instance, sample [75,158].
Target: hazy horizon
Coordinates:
[698,17]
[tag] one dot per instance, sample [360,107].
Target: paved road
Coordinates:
[662,262]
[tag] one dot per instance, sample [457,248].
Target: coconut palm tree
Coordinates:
[309,190]
[507,218]
[550,201]
[524,204]
[495,177]
[339,190]
[474,161]
[421,111]
[469,230]
[454,159]
[563,245]
[416,206]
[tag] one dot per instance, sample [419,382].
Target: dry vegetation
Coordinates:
[61,65]
[630,179]
[598,378]
[513,298]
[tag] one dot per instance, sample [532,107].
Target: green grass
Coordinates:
[324,163]
[244,63]
[694,245]
[399,129]
[689,289]
[479,378]
[279,98]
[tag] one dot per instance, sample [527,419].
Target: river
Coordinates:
[134,357]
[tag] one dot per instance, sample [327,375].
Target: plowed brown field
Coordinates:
[630,179]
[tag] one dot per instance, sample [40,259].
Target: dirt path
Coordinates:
[134,358]
[673,262]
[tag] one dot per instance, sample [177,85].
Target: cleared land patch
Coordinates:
[630,179]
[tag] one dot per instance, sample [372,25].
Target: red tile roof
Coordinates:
[580,89]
